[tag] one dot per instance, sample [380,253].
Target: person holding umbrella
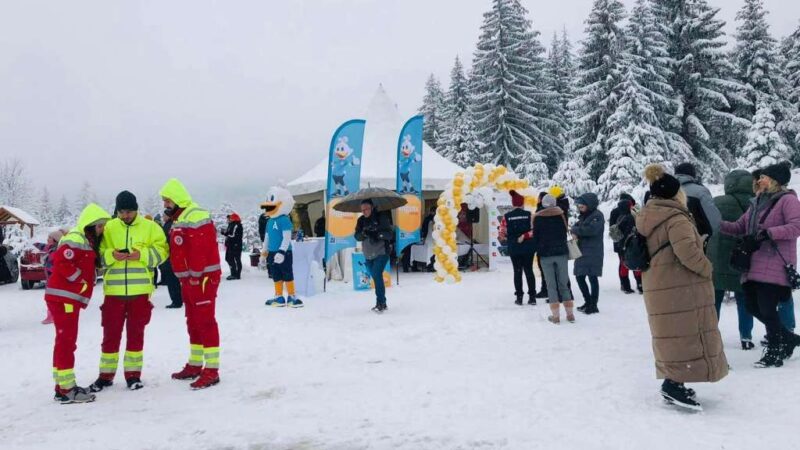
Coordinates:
[375,231]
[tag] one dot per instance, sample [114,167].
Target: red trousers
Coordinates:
[132,314]
[623,270]
[201,322]
[65,320]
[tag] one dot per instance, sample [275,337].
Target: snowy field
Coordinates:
[448,367]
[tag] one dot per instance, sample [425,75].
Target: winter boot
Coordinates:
[625,285]
[294,302]
[76,395]
[789,341]
[230,277]
[175,306]
[747,344]
[677,394]
[278,302]
[208,378]
[187,373]
[639,287]
[100,384]
[134,384]
[377,309]
[532,299]
[518,301]
[770,358]
[542,293]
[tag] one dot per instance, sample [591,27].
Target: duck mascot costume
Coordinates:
[278,246]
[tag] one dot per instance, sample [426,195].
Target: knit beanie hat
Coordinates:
[686,169]
[548,201]
[779,172]
[126,201]
[662,184]
[517,200]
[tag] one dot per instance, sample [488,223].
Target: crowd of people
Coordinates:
[700,249]
[128,249]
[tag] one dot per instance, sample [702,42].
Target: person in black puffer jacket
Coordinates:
[519,223]
[233,246]
[622,218]
[550,242]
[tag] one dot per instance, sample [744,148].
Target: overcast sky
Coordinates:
[227,95]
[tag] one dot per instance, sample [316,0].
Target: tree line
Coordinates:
[656,84]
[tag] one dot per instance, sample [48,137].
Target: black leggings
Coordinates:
[762,301]
[589,296]
[523,263]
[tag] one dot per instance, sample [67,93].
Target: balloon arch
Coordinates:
[474,187]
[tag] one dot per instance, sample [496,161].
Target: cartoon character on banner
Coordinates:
[408,158]
[278,246]
[343,158]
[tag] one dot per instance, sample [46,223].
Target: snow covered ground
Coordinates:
[448,367]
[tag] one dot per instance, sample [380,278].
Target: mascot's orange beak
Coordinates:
[271,208]
[341,154]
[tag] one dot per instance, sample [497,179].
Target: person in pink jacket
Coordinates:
[769,230]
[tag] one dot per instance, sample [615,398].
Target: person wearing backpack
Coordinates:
[622,225]
[588,231]
[738,192]
[678,293]
[769,230]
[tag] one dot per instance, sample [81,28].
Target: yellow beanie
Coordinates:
[556,191]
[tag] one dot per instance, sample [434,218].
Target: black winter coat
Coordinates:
[550,232]
[519,222]
[233,237]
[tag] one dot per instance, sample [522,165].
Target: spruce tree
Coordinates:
[756,54]
[790,65]
[635,139]
[45,209]
[764,144]
[573,177]
[458,141]
[702,80]
[63,216]
[561,78]
[432,109]
[511,106]
[648,58]
[600,70]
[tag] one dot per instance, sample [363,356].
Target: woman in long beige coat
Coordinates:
[678,293]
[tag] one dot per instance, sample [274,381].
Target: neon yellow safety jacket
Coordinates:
[129,278]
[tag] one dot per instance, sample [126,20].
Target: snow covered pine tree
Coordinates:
[512,107]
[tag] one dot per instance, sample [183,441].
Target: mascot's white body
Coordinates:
[278,245]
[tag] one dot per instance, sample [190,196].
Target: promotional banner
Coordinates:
[501,204]
[409,183]
[361,278]
[344,177]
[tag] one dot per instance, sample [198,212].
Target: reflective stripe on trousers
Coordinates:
[108,362]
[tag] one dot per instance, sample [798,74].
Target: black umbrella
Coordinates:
[383,199]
